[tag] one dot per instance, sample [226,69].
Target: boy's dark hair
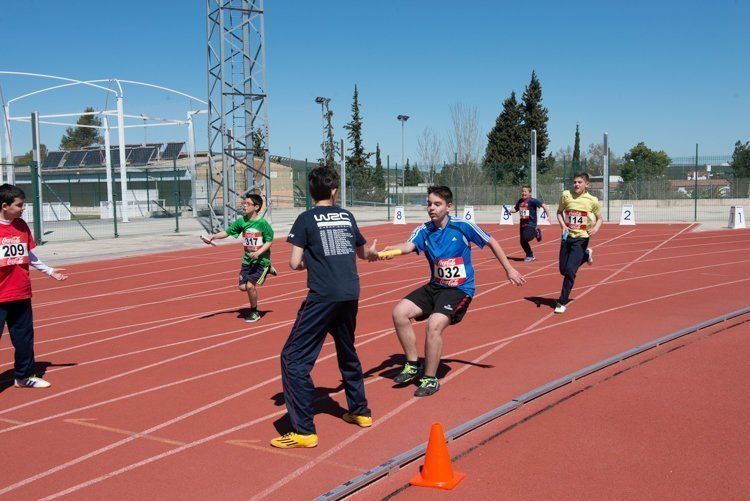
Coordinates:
[9,192]
[583,175]
[323,180]
[526,186]
[443,192]
[256,200]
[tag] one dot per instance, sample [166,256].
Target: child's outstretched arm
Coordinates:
[513,276]
[37,263]
[405,248]
[217,236]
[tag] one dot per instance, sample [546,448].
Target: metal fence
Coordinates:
[77,204]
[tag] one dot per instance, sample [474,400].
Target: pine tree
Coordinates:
[535,118]
[357,162]
[79,137]
[26,158]
[504,158]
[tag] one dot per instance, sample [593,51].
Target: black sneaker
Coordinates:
[538,235]
[410,372]
[427,386]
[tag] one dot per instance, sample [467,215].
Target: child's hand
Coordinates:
[514,277]
[59,276]
[254,255]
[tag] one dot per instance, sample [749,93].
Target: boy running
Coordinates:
[528,230]
[325,241]
[446,243]
[16,244]
[576,214]
[257,238]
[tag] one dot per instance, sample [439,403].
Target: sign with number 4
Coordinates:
[627,217]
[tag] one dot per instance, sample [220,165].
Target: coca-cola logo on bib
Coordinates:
[11,240]
[16,260]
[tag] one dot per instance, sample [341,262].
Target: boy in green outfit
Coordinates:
[257,238]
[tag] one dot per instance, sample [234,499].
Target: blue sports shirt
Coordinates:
[448,251]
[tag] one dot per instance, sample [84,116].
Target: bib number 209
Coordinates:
[13,250]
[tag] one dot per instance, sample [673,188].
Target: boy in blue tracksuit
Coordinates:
[325,241]
[444,300]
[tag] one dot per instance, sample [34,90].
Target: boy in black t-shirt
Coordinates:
[326,242]
[528,230]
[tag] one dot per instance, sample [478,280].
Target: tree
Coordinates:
[535,117]
[27,158]
[378,178]
[504,159]
[259,143]
[641,162]
[577,147]
[429,149]
[741,159]
[407,174]
[357,162]
[83,135]
[464,147]
[416,176]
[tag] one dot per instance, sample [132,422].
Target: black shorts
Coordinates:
[449,301]
[254,273]
[528,232]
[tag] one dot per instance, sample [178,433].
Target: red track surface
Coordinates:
[170,393]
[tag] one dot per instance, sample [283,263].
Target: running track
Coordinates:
[159,387]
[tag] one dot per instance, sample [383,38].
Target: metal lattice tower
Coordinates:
[237,109]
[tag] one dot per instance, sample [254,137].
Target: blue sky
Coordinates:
[671,74]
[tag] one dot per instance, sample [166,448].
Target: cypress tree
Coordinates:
[378,177]
[357,161]
[577,147]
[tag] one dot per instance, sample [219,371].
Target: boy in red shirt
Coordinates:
[16,244]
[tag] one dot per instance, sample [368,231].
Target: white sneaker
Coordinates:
[560,308]
[32,382]
[590,256]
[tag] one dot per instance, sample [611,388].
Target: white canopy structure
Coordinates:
[116,88]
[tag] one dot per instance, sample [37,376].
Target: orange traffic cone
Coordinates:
[437,470]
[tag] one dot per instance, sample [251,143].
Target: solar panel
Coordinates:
[74,158]
[141,156]
[172,150]
[53,159]
[94,157]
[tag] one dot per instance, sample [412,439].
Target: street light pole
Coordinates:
[402,119]
[323,102]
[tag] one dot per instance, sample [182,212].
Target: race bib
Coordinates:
[576,220]
[450,272]
[14,253]
[525,213]
[252,240]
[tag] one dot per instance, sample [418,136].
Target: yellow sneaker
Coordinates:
[293,440]
[359,420]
